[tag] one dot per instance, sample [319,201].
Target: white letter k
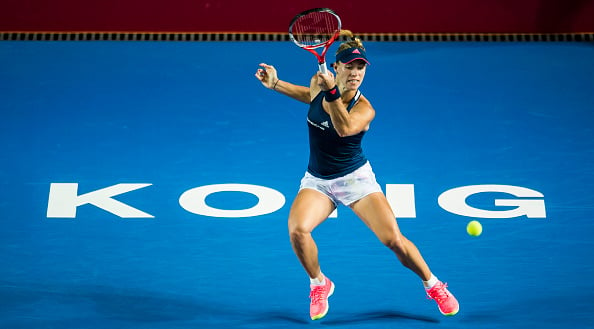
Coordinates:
[64,199]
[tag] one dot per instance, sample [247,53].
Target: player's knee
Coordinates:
[394,241]
[298,231]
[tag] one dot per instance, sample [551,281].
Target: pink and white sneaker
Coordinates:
[319,306]
[447,303]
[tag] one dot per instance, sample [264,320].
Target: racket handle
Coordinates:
[323,68]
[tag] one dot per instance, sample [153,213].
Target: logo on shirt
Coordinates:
[319,126]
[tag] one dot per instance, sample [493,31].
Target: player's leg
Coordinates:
[377,214]
[310,208]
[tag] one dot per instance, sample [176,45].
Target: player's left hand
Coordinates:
[267,75]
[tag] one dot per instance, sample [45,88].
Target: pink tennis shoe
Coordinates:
[319,299]
[319,306]
[447,303]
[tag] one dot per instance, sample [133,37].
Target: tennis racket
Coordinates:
[314,29]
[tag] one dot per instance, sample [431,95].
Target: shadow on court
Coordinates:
[379,317]
[27,305]
[277,318]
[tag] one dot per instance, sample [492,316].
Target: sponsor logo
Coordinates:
[64,201]
[317,125]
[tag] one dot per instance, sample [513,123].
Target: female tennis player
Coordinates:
[339,173]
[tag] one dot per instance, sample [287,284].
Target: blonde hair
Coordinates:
[351,42]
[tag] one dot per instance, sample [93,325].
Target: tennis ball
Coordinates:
[474,228]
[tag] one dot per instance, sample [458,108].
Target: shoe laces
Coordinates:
[317,293]
[439,293]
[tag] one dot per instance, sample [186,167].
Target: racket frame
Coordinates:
[313,48]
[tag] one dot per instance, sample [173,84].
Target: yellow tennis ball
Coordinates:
[474,228]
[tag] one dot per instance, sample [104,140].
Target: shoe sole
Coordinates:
[319,316]
[451,313]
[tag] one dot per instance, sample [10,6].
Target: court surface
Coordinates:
[185,117]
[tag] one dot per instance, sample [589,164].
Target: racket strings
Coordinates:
[315,29]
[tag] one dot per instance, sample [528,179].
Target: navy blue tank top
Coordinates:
[331,156]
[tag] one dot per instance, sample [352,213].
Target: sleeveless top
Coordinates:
[331,156]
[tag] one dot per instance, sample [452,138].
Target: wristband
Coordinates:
[332,94]
[274,87]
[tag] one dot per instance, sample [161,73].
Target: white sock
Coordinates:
[318,282]
[431,282]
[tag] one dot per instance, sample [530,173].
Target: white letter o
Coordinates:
[269,200]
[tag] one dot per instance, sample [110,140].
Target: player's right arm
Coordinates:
[269,78]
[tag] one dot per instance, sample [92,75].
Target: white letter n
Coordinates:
[64,199]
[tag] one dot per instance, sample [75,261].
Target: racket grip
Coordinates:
[323,68]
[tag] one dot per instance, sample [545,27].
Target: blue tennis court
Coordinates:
[148,184]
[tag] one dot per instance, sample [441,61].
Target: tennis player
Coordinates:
[339,173]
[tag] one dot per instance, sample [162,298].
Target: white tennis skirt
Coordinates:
[346,189]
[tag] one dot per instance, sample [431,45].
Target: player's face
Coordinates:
[351,75]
